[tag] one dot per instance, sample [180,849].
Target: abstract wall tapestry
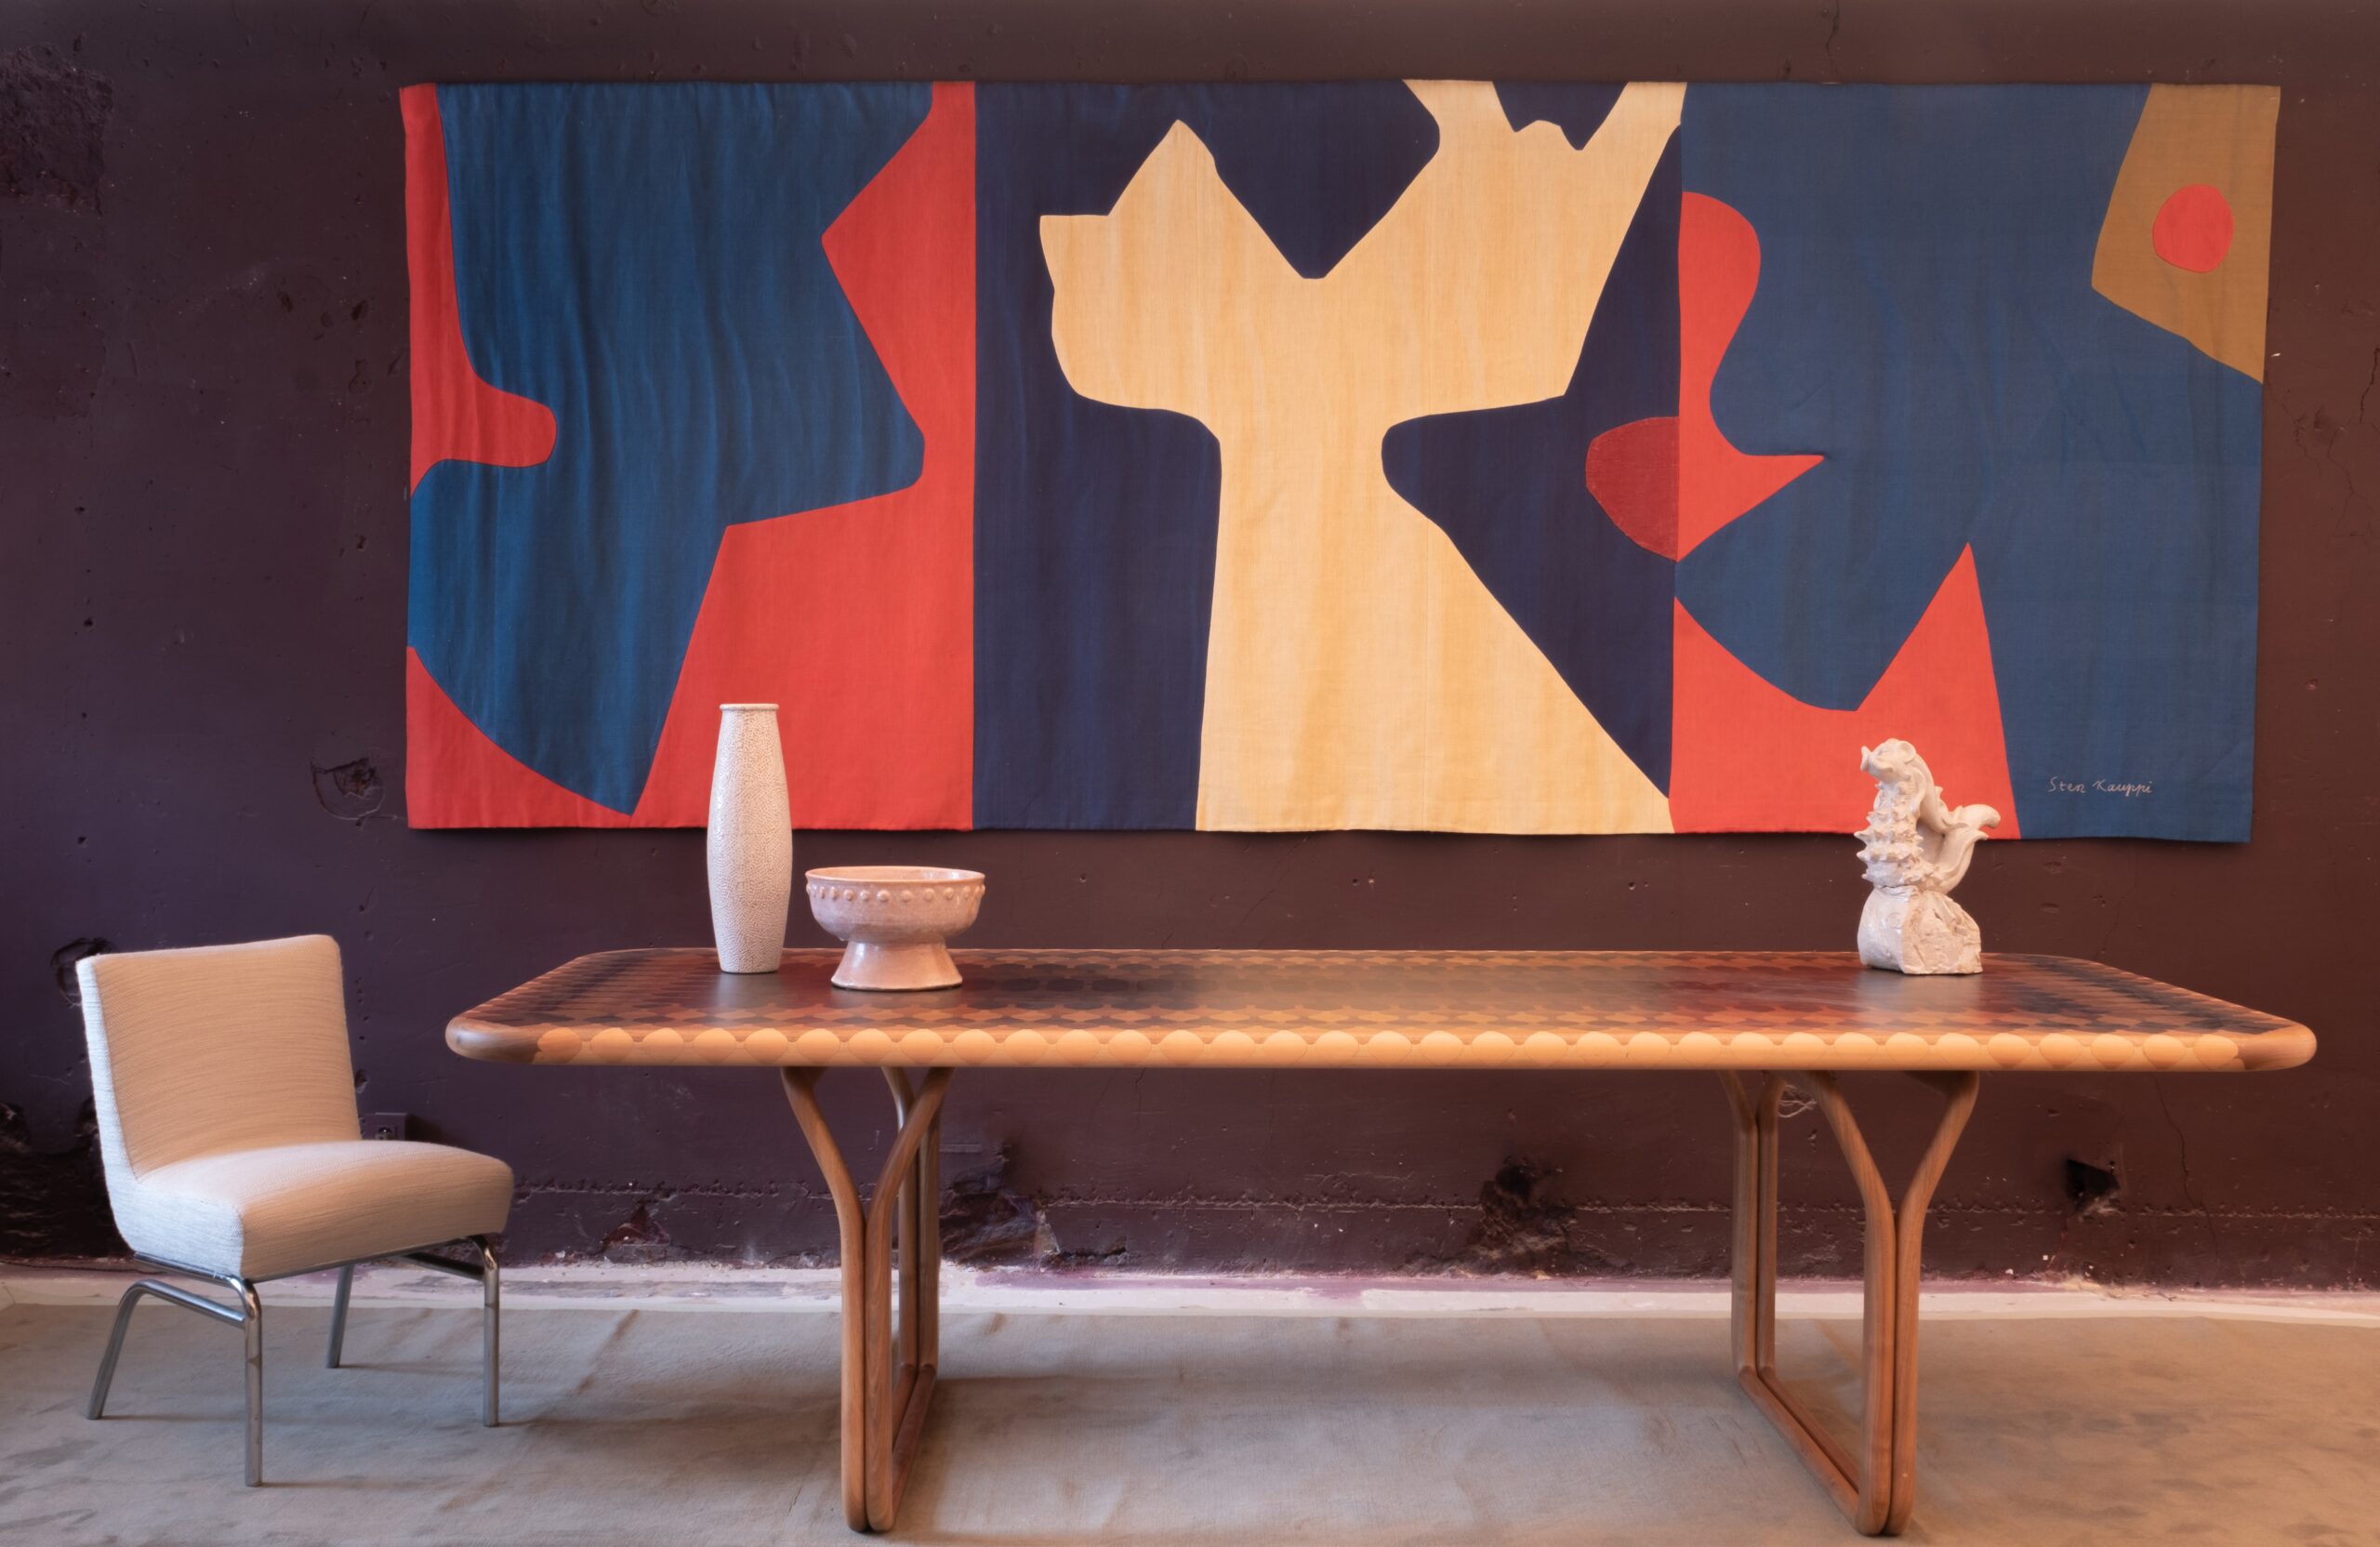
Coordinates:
[1472,456]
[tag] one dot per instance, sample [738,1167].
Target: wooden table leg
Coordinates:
[1751,1310]
[888,1371]
[1875,1483]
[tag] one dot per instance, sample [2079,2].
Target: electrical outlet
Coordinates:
[386,1125]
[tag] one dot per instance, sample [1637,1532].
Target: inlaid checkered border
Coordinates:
[1522,1010]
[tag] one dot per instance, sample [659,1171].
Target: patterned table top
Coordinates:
[1519,1010]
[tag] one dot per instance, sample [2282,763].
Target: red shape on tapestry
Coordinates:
[476,783]
[456,415]
[1747,757]
[2194,227]
[1632,471]
[1670,482]
[858,620]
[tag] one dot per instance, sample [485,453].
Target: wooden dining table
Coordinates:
[1760,1021]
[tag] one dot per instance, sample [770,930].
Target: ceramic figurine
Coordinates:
[750,841]
[1917,849]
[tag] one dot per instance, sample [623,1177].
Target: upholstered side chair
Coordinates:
[228,1134]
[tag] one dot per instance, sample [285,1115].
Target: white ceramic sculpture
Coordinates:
[895,919]
[1917,849]
[750,843]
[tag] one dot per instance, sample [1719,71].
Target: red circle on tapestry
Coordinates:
[2193,229]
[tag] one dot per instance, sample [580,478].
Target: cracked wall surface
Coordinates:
[202,429]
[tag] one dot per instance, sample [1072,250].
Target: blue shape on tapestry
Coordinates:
[1577,110]
[1095,524]
[645,260]
[1508,487]
[1925,320]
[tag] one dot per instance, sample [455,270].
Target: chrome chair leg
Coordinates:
[490,1278]
[491,1326]
[254,1305]
[116,1346]
[160,1291]
[249,1316]
[338,1315]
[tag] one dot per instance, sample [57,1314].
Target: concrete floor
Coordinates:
[1530,1417]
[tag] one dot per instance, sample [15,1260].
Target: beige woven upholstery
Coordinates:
[227,1118]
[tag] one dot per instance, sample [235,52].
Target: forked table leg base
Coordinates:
[1874,1480]
[888,1364]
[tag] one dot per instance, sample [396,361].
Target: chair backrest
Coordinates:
[216,1048]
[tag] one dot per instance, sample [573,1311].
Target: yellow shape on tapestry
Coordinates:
[2189,228]
[1359,674]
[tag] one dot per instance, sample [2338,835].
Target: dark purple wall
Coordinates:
[203,452]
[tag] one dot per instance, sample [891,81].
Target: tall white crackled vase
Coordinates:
[750,840]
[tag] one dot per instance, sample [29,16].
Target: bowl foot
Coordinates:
[920,964]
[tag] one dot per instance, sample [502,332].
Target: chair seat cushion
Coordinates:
[260,1214]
